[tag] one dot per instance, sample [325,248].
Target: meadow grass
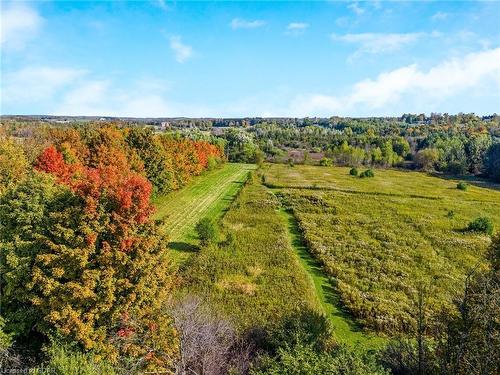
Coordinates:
[208,195]
[253,275]
[345,328]
[382,238]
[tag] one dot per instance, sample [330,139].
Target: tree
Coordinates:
[476,148]
[209,344]
[492,162]
[470,342]
[153,156]
[401,146]
[13,163]
[207,231]
[80,252]
[452,155]
[389,157]
[427,159]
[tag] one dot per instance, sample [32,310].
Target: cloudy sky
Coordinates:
[236,59]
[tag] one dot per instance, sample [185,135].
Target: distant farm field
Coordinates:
[382,238]
[207,195]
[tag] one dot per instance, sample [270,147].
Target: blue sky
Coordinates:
[238,59]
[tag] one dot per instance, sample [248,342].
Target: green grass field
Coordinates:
[252,275]
[345,328]
[208,195]
[380,238]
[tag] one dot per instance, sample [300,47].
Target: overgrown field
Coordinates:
[382,238]
[207,195]
[252,274]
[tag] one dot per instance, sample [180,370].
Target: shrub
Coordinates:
[481,224]
[353,172]
[64,360]
[212,163]
[367,173]
[303,359]
[325,162]
[462,186]
[207,231]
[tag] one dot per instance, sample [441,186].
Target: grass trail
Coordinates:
[208,195]
[345,328]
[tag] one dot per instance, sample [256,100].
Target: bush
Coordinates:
[462,186]
[305,360]
[64,360]
[207,231]
[482,225]
[325,162]
[353,172]
[367,173]
[212,163]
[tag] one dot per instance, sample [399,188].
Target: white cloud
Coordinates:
[100,98]
[297,26]
[439,16]
[238,23]
[182,51]
[356,8]
[32,84]
[19,24]
[474,72]
[374,43]
[452,83]
[161,4]
[69,91]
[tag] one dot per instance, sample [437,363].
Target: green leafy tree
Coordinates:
[492,163]
[476,148]
[154,158]
[207,231]
[401,146]
[13,163]
[427,159]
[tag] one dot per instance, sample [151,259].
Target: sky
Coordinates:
[244,59]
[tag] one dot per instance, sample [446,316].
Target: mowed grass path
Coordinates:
[345,329]
[208,195]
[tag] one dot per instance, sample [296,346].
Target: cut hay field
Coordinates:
[208,195]
[381,238]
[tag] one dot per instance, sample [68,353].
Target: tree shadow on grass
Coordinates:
[331,296]
[472,180]
[183,247]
